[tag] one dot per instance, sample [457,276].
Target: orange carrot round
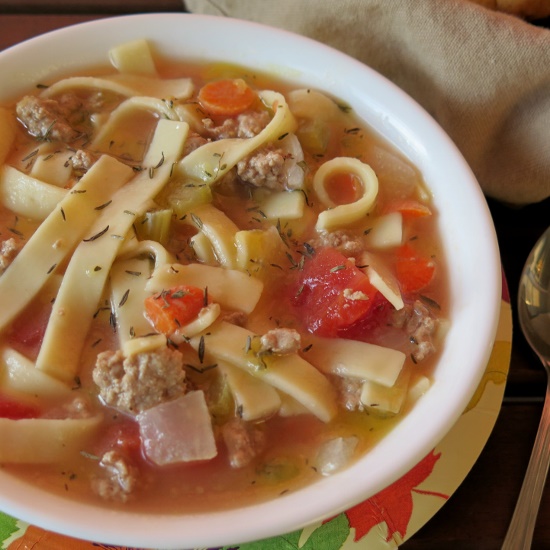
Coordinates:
[410,208]
[173,308]
[414,272]
[226,97]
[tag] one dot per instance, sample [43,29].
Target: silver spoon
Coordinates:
[534,319]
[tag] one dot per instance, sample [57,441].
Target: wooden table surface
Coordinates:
[477,515]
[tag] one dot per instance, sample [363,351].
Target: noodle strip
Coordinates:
[57,235]
[83,283]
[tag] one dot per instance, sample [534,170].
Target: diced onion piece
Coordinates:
[282,205]
[356,359]
[335,454]
[45,440]
[291,407]
[259,250]
[255,398]
[338,215]
[178,431]
[232,289]
[419,384]
[133,57]
[383,401]
[386,231]
[294,157]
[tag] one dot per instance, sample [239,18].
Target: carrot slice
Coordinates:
[174,308]
[226,97]
[409,207]
[413,272]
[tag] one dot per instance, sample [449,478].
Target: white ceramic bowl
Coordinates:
[468,237]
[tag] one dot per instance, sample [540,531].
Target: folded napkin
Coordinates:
[483,75]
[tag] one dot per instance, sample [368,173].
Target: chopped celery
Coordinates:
[314,136]
[155,226]
[258,250]
[280,469]
[182,196]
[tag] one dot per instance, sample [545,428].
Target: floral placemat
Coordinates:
[387,519]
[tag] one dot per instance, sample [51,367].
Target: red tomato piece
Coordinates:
[28,329]
[15,410]
[174,308]
[333,293]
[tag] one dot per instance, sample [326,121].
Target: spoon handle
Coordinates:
[520,530]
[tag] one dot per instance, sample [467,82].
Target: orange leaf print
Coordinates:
[38,538]
[393,505]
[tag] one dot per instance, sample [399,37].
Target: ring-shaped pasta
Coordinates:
[338,215]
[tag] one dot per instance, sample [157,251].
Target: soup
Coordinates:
[216,288]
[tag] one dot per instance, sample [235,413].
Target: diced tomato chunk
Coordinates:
[15,410]
[174,308]
[27,331]
[333,294]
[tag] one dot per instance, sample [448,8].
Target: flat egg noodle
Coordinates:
[27,196]
[125,86]
[57,235]
[88,270]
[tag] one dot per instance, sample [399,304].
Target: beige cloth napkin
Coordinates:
[484,76]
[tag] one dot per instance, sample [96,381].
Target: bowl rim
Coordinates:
[411,127]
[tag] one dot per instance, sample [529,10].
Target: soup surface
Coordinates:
[216,287]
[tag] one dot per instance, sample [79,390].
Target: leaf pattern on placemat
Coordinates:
[329,536]
[393,505]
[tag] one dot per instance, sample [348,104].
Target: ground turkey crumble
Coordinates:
[244,441]
[281,341]
[417,321]
[340,240]
[82,161]
[264,168]
[245,125]
[139,382]
[52,119]
[118,480]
